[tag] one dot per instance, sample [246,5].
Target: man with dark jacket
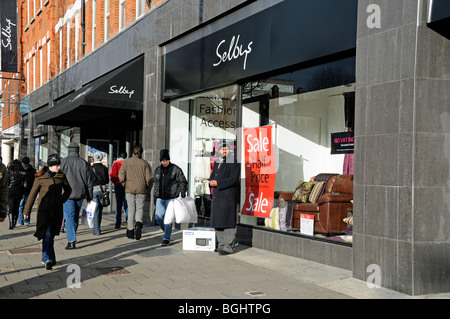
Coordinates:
[169,182]
[119,190]
[3,191]
[78,173]
[224,181]
[30,173]
[100,183]
[16,175]
[136,175]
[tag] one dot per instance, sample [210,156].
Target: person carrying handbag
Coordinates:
[100,180]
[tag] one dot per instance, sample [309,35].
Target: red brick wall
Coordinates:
[39,29]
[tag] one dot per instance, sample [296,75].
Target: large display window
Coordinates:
[309,110]
[198,124]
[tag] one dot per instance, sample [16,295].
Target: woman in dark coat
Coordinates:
[53,189]
[224,181]
[16,176]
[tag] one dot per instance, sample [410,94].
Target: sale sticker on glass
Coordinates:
[260,171]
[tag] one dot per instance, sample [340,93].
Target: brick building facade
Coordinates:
[51,35]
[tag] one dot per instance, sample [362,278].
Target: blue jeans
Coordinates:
[71,218]
[161,206]
[48,250]
[20,219]
[98,212]
[119,190]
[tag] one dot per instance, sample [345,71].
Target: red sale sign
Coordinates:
[260,171]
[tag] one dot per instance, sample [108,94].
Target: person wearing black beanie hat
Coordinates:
[164,155]
[169,182]
[52,185]
[53,160]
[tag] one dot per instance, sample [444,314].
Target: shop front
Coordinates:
[103,115]
[284,102]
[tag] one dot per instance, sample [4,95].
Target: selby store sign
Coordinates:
[235,51]
[8,22]
[259,37]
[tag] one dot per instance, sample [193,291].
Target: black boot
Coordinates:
[138,229]
[130,233]
[11,221]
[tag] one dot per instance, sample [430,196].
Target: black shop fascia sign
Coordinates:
[273,35]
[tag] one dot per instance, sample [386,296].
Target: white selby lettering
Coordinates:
[6,32]
[234,52]
[122,90]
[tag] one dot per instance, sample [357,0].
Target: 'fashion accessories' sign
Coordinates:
[8,35]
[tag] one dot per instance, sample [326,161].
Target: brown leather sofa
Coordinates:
[331,207]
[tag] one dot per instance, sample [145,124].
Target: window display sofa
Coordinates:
[329,207]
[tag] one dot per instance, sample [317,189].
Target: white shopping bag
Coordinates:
[87,213]
[185,210]
[169,216]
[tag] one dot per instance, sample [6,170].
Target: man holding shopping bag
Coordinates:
[169,182]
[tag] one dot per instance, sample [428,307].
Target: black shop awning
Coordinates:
[117,91]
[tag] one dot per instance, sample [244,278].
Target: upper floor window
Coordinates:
[107,11]
[140,8]
[94,23]
[122,17]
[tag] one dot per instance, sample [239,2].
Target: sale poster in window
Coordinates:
[260,171]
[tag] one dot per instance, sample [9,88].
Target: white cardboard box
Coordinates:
[199,238]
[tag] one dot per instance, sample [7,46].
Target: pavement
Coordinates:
[111,266]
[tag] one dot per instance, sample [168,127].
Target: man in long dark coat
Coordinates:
[224,180]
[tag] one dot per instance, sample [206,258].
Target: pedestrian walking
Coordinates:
[30,173]
[224,181]
[137,177]
[119,190]
[169,183]
[78,173]
[3,191]
[16,176]
[100,185]
[53,189]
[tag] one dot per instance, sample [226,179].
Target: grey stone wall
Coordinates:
[402,153]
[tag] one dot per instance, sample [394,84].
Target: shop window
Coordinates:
[198,124]
[305,108]
[41,151]
[68,136]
